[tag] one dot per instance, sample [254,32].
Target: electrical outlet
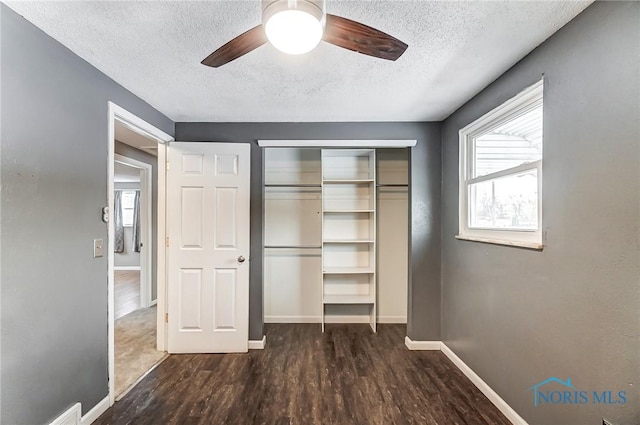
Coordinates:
[97,248]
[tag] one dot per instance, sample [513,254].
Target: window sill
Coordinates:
[528,245]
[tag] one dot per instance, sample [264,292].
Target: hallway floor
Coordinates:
[136,353]
[126,292]
[348,375]
[135,332]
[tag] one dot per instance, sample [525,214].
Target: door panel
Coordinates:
[225,230]
[224,295]
[192,214]
[190,288]
[208,228]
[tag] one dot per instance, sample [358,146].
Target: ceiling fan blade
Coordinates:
[241,45]
[361,38]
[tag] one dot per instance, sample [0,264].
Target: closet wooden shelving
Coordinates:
[349,229]
[335,244]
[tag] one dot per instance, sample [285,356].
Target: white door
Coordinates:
[208,228]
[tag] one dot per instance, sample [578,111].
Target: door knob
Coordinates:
[241,259]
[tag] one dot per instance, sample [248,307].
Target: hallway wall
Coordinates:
[53,308]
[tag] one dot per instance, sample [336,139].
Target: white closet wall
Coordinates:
[293,280]
[393,235]
[292,235]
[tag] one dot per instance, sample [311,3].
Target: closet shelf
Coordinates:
[348,270]
[348,299]
[347,181]
[348,211]
[340,241]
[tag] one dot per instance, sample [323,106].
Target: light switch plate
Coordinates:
[97,248]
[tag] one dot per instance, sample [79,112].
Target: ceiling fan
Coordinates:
[297,26]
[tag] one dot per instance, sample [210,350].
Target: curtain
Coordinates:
[135,241]
[117,219]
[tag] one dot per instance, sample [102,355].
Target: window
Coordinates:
[127,202]
[501,173]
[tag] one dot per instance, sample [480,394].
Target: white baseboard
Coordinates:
[483,387]
[316,319]
[422,345]
[493,396]
[258,345]
[95,413]
[123,268]
[154,302]
[333,319]
[71,415]
[392,319]
[292,319]
[346,319]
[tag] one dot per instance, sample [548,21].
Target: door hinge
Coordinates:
[166,317]
[168,166]
[167,242]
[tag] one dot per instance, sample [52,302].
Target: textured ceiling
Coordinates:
[154,49]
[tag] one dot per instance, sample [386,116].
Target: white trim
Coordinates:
[139,125]
[336,143]
[392,319]
[529,94]
[327,319]
[528,245]
[71,413]
[493,397]
[146,256]
[484,388]
[508,172]
[154,302]
[422,345]
[343,319]
[95,412]
[523,101]
[125,268]
[162,252]
[292,319]
[258,345]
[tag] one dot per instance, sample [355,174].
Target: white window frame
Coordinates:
[524,101]
[133,207]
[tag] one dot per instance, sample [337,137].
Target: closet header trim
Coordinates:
[336,143]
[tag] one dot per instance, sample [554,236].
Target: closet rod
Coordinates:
[293,246]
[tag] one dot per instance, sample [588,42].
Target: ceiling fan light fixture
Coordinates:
[294,27]
[297,26]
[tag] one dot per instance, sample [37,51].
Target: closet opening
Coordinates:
[336,235]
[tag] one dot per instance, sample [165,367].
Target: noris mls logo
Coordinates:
[568,394]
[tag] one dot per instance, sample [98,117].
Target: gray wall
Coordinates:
[127,258]
[53,185]
[424,286]
[517,317]
[137,154]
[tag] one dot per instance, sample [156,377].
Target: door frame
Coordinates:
[116,112]
[146,201]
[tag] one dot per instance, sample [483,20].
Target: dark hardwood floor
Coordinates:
[346,376]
